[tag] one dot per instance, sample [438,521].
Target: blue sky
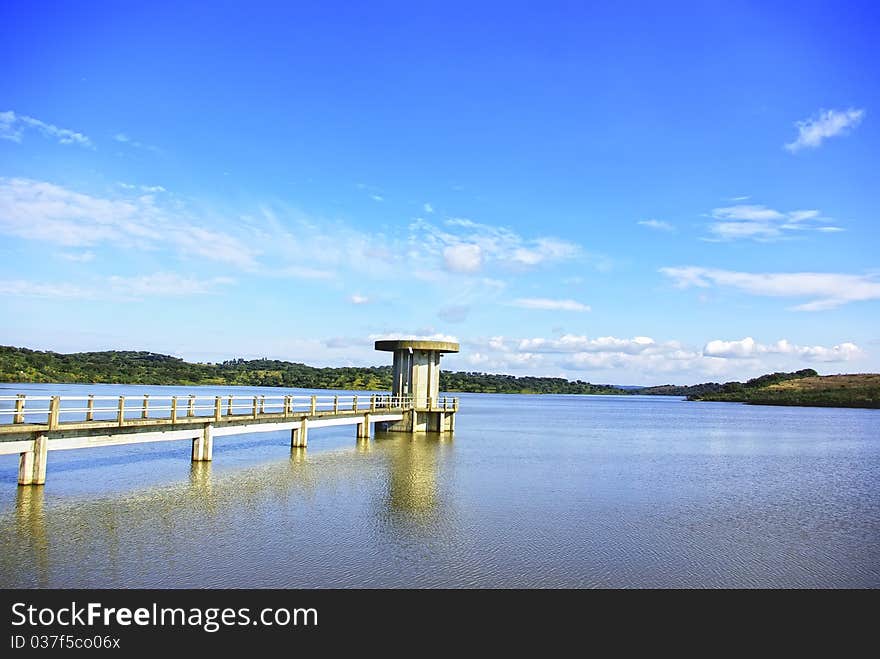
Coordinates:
[619,193]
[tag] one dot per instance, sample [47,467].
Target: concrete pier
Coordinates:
[31,426]
[363,428]
[203,445]
[32,463]
[299,437]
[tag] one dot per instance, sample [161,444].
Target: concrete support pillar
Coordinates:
[299,437]
[203,446]
[363,429]
[32,464]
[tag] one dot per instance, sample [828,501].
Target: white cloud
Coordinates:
[49,213]
[358,299]
[78,257]
[659,225]
[757,222]
[748,348]
[543,250]
[548,304]
[13,127]
[298,272]
[376,197]
[125,139]
[428,208]
[164,284]
[812,132]
[466,239]
[161,284]
[646,360]
[827,290]
[24,288]
[465,258]
[570,343]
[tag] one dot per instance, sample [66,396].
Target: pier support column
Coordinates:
[203,446]
[363,429]
[32,464]
[299,437]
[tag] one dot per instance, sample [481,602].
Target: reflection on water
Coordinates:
[412,481]
[30,530]
[163,525]
[603,491]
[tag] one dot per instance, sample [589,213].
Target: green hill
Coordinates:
[859,390]
[130,367]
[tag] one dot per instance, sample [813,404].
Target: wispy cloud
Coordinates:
[454,313]
[658,225]
[78,257]
[547,304]
[467,246]
[117,288]
[358,299]
[125,139]
[748,348]
[13,127]
[151,189]
[428,208]
[763,224]
[42,211]
[825,290]
[828,123]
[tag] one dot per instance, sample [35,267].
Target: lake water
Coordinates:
[532,491]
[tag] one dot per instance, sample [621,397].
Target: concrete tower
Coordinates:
[416,373]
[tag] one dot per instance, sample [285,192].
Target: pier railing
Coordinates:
[54,410]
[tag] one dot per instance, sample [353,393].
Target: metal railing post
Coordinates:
[335,404]
[354,403]
[90,408]
[145,409]
[120,411]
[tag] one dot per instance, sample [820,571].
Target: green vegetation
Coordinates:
[803,388]
[128,367]
[508,384]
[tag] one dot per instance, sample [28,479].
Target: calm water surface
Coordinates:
[532,491]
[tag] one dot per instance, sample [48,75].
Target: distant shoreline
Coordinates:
[804,388]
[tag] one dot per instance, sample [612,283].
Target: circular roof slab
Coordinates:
[415,344]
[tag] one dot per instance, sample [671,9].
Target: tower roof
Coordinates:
[417,344]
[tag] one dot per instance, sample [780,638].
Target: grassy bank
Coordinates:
[861,390]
